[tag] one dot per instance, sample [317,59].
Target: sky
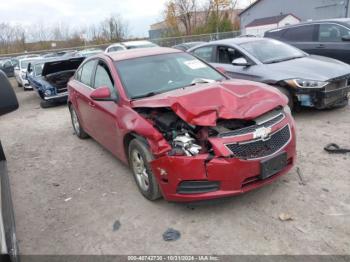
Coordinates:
[139,14]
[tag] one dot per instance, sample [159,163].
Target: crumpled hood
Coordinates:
[204,104]
[309,67]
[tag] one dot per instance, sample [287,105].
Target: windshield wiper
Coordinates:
[201,81]
[283,59]
[146,95]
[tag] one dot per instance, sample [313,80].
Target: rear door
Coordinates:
[330,42]
[81,92]
[303,37]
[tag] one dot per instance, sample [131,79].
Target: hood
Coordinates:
[61,65]
[204,104]
[311,68]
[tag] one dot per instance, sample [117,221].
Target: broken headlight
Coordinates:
[287,110]
[304,83]
[186,144]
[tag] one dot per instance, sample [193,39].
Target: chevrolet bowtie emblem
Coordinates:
[263,133]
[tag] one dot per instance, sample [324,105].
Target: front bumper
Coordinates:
[323,98]
[59,97]
[232,175]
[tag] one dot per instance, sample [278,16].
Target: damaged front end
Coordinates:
[227,158]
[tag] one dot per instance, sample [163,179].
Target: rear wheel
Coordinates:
[78,130]
[289,95]
[139,159]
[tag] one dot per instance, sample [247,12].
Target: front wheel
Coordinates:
[78,130]
[139,159]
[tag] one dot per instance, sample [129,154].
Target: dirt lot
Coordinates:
[48,165]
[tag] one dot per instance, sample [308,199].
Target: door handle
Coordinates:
[91,104]
[320,46]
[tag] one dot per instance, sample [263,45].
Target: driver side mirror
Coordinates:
[8,99]
[102,93]
[240,62]
[346,38]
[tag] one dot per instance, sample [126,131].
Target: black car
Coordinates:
[7,67]
[329,38]
[8,240]
[307,80]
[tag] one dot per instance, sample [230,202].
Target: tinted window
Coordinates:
[225,55]
[103,77]
[86,72]
[205,53]
[162,73]
[332,33]
[300,34]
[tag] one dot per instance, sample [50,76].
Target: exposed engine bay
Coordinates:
[59,79]
[191,140]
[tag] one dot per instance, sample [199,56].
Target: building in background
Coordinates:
[259,26]
[304,10]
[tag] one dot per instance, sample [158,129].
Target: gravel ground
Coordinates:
[68,194]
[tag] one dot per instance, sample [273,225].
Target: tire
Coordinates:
[139,159]
[288,94]
[78,129]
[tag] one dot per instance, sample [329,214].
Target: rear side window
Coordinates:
[115,49]
[205,53]
[300,34]
[225,55]
[332,33]
[87,71]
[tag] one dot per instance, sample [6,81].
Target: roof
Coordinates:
[269,20]
[141,52]
[253,4]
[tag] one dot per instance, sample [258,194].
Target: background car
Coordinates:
[49,78]
[21,72]
[7,67]
[88,52]
[307,80]
[8,240]
[326,38]
[129,45]
[186,130]
[188,45]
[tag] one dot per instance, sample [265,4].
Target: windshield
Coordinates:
[24,64]
[150,75]
[272,51]
[38,69]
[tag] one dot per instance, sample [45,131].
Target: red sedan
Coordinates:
[187,131]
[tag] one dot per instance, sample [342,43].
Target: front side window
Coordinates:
[300,34]
[151,75]
[269,51]
[103,76]
[38,69]
[205,53]
[225,55]
[332,33]
[86,72]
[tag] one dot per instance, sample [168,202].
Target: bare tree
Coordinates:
[114,28]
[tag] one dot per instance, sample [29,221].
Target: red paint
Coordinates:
[109,123]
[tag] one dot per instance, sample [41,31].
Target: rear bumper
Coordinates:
[233,176]
[320,98]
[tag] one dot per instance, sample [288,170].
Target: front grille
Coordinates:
[61,90]
[251,129]
[261,148]
[337,83]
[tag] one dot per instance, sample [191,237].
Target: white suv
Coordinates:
[21,72]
